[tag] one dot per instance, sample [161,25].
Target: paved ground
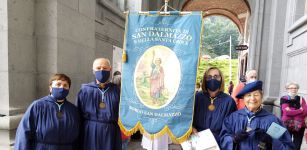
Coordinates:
[136,145]
[304,145]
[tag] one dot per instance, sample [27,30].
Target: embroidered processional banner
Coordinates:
[158,78]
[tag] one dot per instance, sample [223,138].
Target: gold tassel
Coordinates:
[124,56]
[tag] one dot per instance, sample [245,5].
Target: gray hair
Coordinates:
[250,71]
[102,59]
[292,83]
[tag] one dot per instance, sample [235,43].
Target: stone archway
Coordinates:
[236,10]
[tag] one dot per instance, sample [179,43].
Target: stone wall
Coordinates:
[41,37]
[267,26]
[110,26]
[18,65]
[4,71]
[65,36]
[295,48]
[278,47]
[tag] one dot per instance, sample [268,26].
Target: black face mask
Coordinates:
[213,84]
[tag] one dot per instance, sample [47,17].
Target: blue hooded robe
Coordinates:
[100,130]
[206,119]
[237,121]
[41,129]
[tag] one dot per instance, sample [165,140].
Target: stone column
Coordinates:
[272,69]
[76,42]
[17,67]
[46,43]
[256,18]
[4,64]
[37,39]
[4,76]
[266,46]
[65,34]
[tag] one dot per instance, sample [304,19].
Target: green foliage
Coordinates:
[223,65]
[215,37]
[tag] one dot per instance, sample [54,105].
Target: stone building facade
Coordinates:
[42,37]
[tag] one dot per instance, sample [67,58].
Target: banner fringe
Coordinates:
[165,130]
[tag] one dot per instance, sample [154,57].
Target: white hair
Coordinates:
[250,71]
[292,83]
[102,59]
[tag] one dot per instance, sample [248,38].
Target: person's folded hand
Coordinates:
[240,136]
[263,136]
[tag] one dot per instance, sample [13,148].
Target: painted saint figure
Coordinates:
[156,79]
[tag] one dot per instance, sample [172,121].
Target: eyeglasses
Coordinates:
[292,88]
[209,77]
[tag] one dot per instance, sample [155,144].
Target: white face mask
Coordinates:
[251,80]
[292,95]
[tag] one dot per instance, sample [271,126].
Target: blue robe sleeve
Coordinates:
[233,106]
[226,142]
[26,130]
[195,115]
[79,107]
[79,101]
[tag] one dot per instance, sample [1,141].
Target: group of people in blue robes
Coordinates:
[244,129]
[53,123]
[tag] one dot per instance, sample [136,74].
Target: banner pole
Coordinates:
[165,5]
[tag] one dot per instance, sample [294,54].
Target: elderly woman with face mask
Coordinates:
[294,111]
[212,105]
[247,128]
[50,122]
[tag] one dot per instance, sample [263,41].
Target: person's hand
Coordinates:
[194,131]
[287,108]
[262,135]
[240,136]
[264,138]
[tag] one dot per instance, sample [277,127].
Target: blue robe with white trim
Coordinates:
[100,130]
[237,121]
[41,129]
[206,119]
